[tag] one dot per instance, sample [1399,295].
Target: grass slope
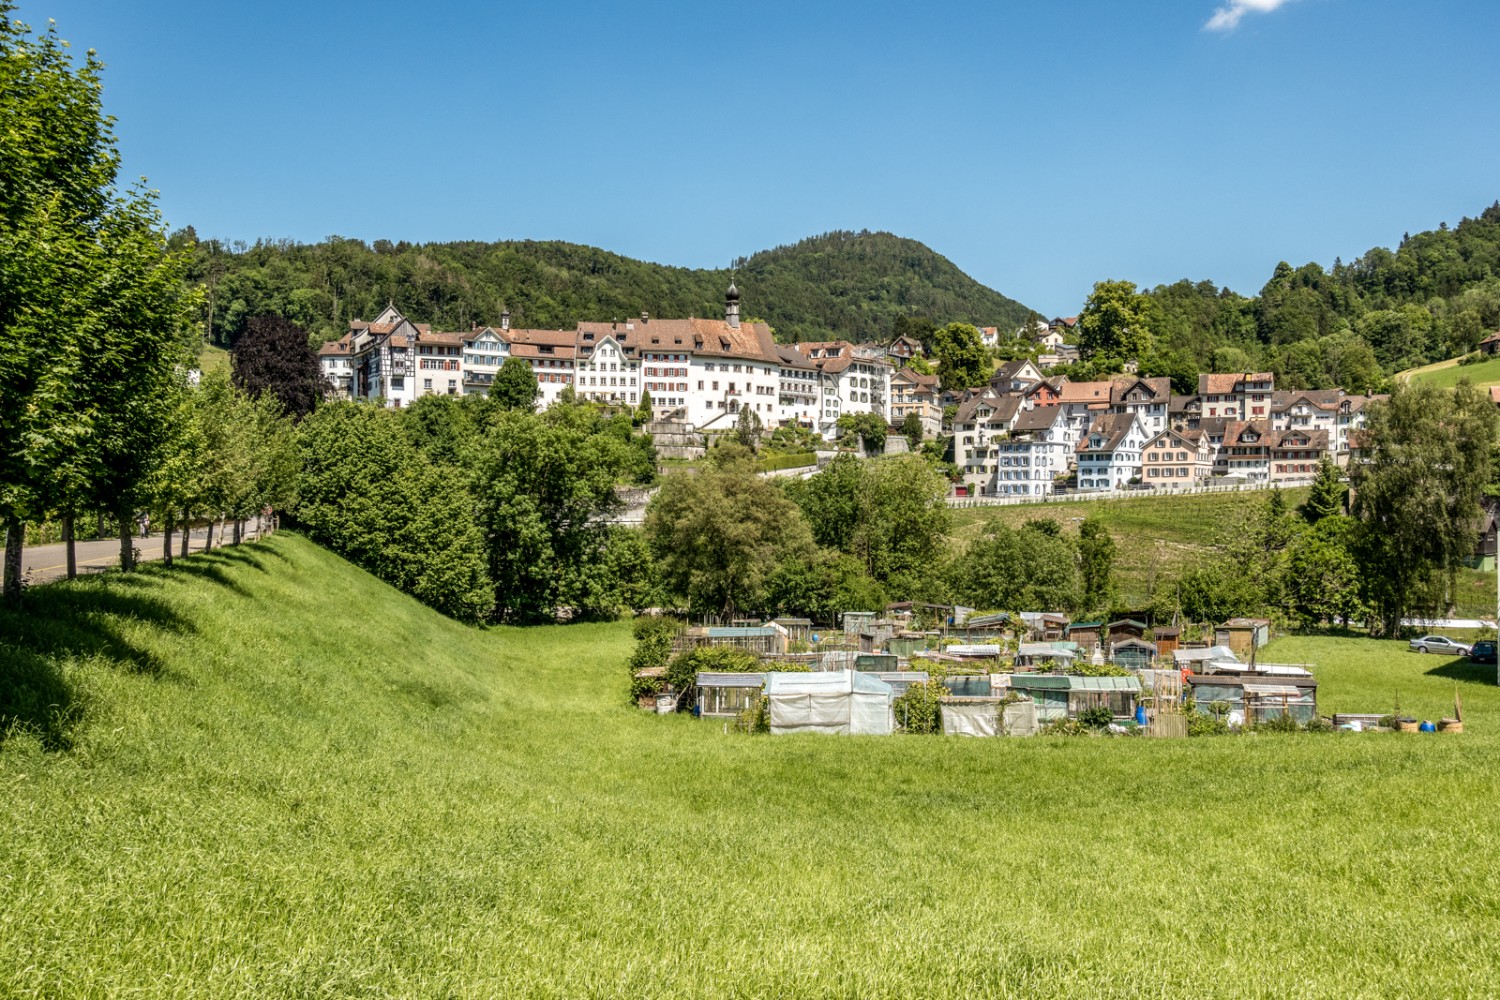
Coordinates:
[282,778]
[1447,373]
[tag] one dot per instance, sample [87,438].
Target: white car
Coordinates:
[1439,644]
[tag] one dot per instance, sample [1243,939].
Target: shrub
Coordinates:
[653,641]
[1087,669]
[1097,717]
[1199,724]
[917,710]
[1318,724]
[1066,727]
[1472,358]
[1283,723]
[756,718]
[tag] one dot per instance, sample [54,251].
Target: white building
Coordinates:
[1033,454]
[1109,455]
[485,350]
[1147,398]
[382,358]
[336,359]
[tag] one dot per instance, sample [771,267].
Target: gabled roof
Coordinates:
[1011,369]
[335,348]
[1038,418]
[1222,384]
[1157,388]
[1317,439]
[1176,439]
[790,357]
[1112,426]
[1004,405]
[916,378]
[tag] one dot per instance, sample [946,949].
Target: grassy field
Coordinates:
[1447,373]
[269,775]
[211,358]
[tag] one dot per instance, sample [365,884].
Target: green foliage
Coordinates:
[1323,580]
[1096,716]
[1199,724]
[720,534]
[747,428]
[963,363]
[911,429]
[917,711]
[515,386]
[755,719]
[1115,323]
[857,286]
[1029,567]
[1429,457]
[273,356]
[891,515]
[366,494]
[793,439]
[1096,562]
[865,430]
[653,641]
[1086,668]
[1326,496]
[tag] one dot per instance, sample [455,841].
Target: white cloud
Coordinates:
[1227,18]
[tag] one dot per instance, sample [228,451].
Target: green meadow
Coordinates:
[265,774]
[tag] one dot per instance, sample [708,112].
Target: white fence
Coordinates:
[1065,496]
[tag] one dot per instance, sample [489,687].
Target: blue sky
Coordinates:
[1040,146]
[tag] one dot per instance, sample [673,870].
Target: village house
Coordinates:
[1031,457]
[1081,403]
[1146,398]
[913,392]
[484,352]
[1237,396]
[903,349]
[1015,376]
[1490,344]
[336,359]
[440,364]
[1109,455]
[980,421]
[1174,459]
[1296,453]
[382,358]
[1245,451]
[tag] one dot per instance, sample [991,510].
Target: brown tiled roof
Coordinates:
[1086,392]
[530,350]
[557,338]
[442,339]
[335,347]
[792,358]
[1005,406]
[917,378]
[1216,385]
[1317,439]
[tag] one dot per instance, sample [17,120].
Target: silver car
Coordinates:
[1439,644]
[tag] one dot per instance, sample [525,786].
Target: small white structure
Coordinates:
[844,701]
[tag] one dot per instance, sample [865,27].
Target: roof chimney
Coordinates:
[505,320]
[645,316]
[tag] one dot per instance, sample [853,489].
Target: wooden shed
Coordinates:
[1243,635]
[1086,634]
[1125,628]
[1167,638]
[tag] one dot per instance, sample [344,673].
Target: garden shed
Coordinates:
[900,680]
[1045,655]
[1253,698]
[1086,634]
[856,622]
[1132,654]
[797,629]
[759,639]
[1125,628]
[1167,639]
[842,702]
[906,644]
[1063,696]
[1243,635]
[727,695]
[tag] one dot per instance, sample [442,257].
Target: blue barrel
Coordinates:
[1140,715]
[1427,727]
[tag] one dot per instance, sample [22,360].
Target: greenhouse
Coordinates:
[842,702]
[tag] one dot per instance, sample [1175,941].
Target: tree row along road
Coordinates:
[1007,501]
[45,563]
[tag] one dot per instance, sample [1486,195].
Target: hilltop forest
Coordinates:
[841,284]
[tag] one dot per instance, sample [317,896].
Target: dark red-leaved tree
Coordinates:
[273,355]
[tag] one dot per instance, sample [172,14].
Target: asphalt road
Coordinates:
[45,563]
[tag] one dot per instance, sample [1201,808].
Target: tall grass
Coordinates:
[279,777]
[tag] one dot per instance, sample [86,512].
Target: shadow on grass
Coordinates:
[1464,670]
[84,621]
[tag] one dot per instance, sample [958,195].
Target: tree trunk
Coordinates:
[15,538]
[127,543]
[237,523]
[208,536]
[69,545]
[166,539]
[99,531]
[187,531]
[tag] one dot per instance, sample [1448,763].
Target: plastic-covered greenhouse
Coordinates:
[844,701]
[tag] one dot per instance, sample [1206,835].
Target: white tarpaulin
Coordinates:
[971,716]
[844,701]
[1020,718]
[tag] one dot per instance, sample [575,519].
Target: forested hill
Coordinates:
[850,285]
[1433,297]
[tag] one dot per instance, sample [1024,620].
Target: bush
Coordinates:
[1199,724]
[1284,723]
[1472,358]
[1066,727]
[917,710]
[756,718]
[1318,724]
[653,641]
[1097,717]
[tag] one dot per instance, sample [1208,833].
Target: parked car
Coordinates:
[1439,644]
[1483,651]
